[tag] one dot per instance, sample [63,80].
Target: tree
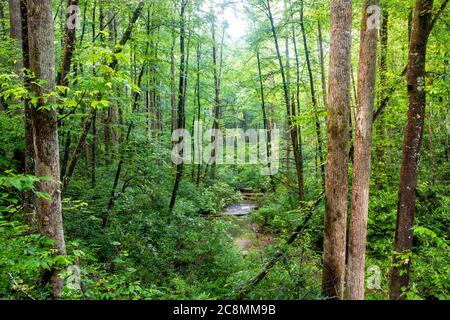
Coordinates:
[362,151]
[28,201]
[181,122]
[411,149]
[285,79]
[313,92]
[45,130]
[337,150]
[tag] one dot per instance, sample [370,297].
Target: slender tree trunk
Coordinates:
[199,108]
[69,46]
[87,122]
[181,100]
[313,94]
[380,125]
[216,99]
[361,165]
[336,188]
[294,137]
[45,130]
[265,121]
[322,64]
[431,147]
[298,128]
[94,150]
[411,148]
[173,96]
[28,202]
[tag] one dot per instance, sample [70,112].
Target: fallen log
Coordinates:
[248,287]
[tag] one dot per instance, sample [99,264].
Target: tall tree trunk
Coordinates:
[28,201]
[382,101]
[94,150]
[265,121]
[336,187]
[216,97]
[45,129]
[322,64]
[298,127]
[361,164]
[313,95]
[173,96]
[199,108]
[181,100]
[411,148]
[294,137]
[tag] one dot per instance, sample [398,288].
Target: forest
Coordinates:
[224,149]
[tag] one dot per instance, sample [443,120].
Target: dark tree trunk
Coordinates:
[94,150]
[199,108]
[28,202]
[181,100]
[411,148]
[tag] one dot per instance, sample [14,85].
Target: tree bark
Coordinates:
[399,280]
[336,187]
[45,130]
[361,162]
